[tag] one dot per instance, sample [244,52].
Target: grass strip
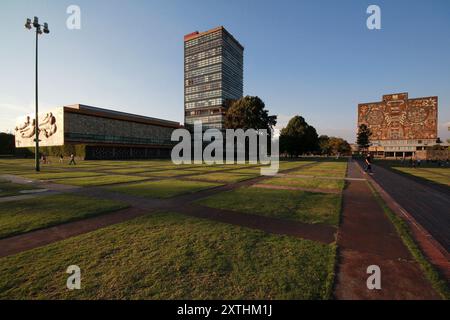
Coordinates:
[437,281]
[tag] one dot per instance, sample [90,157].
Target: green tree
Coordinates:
[324,145]
[363,137]
[333,145]
[298,137]
[338,146]
[7,144]
[249,113]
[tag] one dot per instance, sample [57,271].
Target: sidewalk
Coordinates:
[367,237]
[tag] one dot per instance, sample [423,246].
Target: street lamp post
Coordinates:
[39,29]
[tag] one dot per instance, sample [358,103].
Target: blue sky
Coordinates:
[313,58]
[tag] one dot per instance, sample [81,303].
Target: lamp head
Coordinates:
[28,24]
[46,30]
[36,22]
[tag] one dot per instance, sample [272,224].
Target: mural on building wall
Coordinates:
[51,131]
[397,117]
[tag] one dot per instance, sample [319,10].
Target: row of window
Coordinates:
[236,91]
[203,55]
[204,87]
[230,59]
[403,142]
[203,71]
[202,47]
[231,71]
[203,38]
[203,79]
[203,112]
[227,42]
[214,125]
[202,63]
[206,58]
[399,148]
[204,103]
[233,44]
[232,74]
[205,119]
[203,95]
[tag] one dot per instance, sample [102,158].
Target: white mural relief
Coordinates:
[51,132]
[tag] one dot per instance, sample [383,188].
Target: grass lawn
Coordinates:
[436,175]
[132,170]
[254,171]
[320,172]
[170,256]
[295,205]
[285,165]
[438,171]
[12,189]
[166,173]
[163,188]
[25,215]
[226,177]
[61,175]
[99,180]
[206,168]
[306,183]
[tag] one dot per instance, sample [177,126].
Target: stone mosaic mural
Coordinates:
[397,117]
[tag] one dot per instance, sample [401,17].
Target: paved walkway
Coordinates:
[367,237]
[429,206]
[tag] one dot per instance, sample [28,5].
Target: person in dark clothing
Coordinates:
[368,163]
[72,159]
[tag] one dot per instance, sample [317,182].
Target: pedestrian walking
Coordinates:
[72,160]
[368,163]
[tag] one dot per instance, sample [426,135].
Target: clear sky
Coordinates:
[312,58]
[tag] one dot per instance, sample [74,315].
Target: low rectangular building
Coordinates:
[400,126]
[106,134]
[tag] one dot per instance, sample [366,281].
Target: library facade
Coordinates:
[401,127]
[99,133]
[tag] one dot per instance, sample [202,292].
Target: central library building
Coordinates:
[402,127]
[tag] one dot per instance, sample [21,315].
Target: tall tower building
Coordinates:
[213,74]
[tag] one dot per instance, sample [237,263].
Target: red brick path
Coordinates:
[367,237]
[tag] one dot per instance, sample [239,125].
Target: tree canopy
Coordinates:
[7,145]
[333,145]
[363,137]
[249,113]
[298,137]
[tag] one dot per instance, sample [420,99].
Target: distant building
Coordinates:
[213,74]
[354,148]
[400,126]
[104,134]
